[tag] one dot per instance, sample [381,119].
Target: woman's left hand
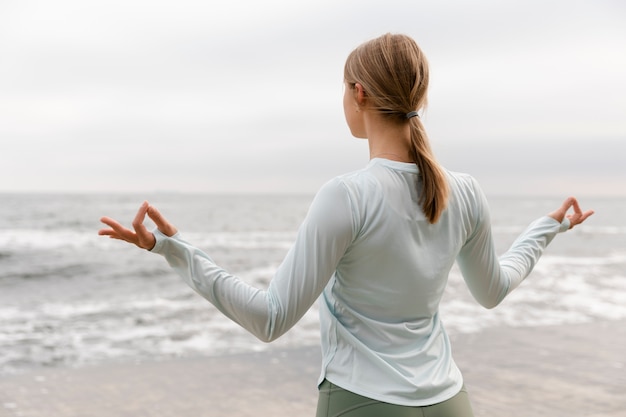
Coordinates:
[576,218]
[140,236]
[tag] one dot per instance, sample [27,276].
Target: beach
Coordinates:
[556,371]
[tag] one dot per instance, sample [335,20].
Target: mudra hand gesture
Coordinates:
[576,218]
[140,236]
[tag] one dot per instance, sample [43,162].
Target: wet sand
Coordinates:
[555,371]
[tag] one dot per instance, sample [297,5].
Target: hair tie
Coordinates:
[412,114]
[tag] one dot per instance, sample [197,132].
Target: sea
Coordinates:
[70,298]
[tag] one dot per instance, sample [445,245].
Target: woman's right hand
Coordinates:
[139,235]
[575,218]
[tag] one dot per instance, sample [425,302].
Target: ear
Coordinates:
[359,94]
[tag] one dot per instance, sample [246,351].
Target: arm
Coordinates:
[320,243]
[489,278]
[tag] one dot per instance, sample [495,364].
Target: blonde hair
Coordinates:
[394,74]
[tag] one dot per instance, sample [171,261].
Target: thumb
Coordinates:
[161,222]
[559,214]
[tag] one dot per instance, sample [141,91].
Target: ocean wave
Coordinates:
[26,239]
[50,239]
[243,240]
[587,229]
[56,334]
[12,239]
[611,258]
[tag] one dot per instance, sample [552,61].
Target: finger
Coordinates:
[576,207]
[107,232]
[117,231]
[161,222]
[586,215]
[118,237]
[113,224]
[157,217]
[125,234]
[140,217]
[559,213]
[578,218]
[145,238]
[568,203]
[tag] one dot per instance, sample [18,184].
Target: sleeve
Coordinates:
[321,241]
[491,278]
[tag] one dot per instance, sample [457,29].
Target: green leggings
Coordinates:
[335,401]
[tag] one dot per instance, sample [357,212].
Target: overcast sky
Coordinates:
[239,96]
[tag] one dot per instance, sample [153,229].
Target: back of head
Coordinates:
[394,74]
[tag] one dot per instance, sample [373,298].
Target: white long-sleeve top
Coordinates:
[381,269]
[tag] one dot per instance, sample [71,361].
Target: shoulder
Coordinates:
[332,190]
[345,195]
[331,210]
[466,192]
[346,190]
[463,184]
[461,179]
[467,198]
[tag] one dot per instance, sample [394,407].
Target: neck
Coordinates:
[388,140]
[392,156]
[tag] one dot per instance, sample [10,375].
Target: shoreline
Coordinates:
[564,370]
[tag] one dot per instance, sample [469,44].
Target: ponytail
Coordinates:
[435,190]
[394,73]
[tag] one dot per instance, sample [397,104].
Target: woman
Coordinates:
[377,245]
